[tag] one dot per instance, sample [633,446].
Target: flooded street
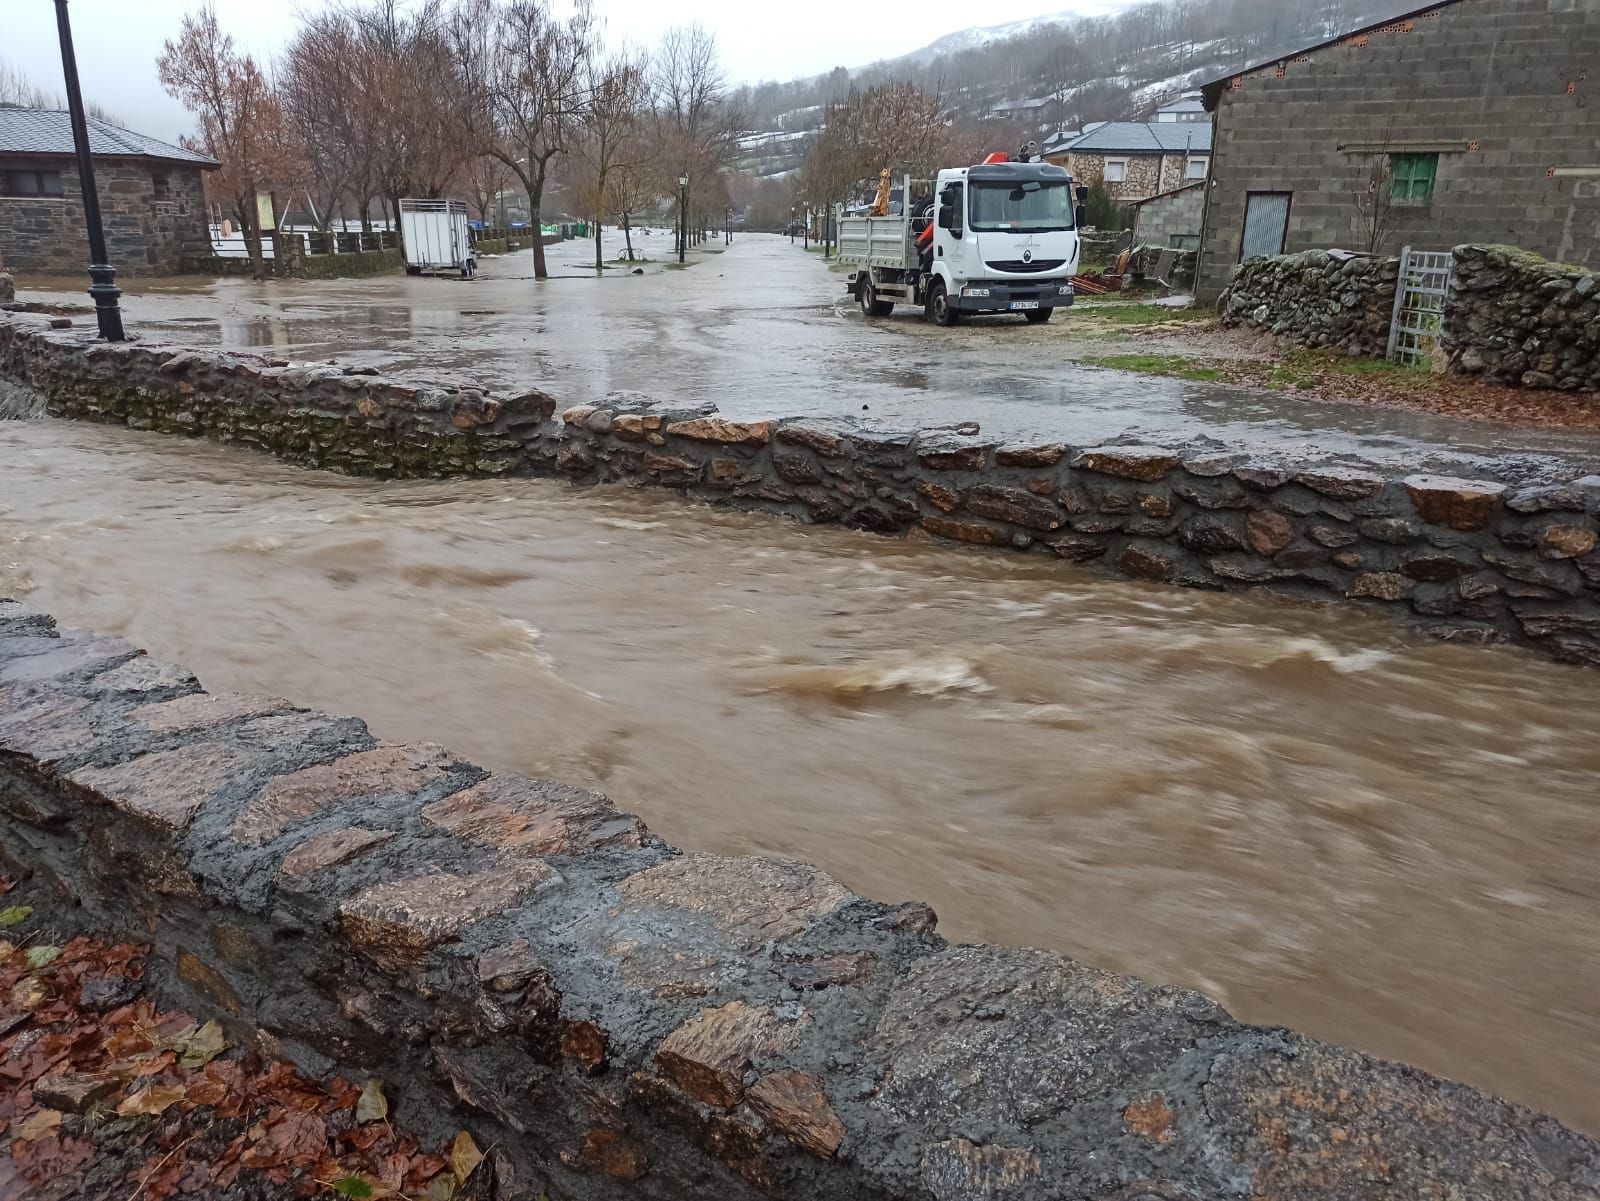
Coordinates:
[764,329]
[1305,812]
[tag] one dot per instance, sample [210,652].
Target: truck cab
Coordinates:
[1005,240]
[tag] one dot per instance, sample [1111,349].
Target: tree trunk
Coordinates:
[535,201]
[627,236]
[599,252]
[250,226]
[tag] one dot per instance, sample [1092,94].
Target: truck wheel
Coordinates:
[1038,316]
[413,270]
[939,306]
[871,306]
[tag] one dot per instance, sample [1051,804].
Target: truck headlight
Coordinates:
[1065,289]
[971,291]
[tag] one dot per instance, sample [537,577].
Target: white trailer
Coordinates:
[1004,240]
[437,237]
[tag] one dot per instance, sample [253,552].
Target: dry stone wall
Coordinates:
[1518,319]
[1466,560]
[621,1019]
[1316,298]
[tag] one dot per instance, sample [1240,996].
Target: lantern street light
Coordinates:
[683,213]
[103,276]
[791,225]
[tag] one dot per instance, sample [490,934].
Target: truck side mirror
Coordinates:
[1082,215]
[1083,193]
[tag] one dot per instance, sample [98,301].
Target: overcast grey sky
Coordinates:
[118,40]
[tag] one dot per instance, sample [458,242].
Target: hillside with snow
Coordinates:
[1100,60]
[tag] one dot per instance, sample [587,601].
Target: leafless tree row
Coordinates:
[375,100]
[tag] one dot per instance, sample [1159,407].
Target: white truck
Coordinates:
[437,237]
[1005,240]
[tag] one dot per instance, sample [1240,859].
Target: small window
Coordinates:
[1196,168]
[162,185]
[30,183]
[1411,178]
[1116,170]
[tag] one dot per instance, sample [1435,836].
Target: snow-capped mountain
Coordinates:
[972,39]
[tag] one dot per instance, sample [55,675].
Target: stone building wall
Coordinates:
[1142,177]
[613,1018]
[1504,91]
[1465,560]
[153,212]
[1316,299]
[1514,318]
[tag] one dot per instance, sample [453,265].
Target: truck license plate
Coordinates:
[1018,305]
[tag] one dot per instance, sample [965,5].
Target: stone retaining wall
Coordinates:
[1466,560]
[618,1019]
[1316,299]
[1518,319]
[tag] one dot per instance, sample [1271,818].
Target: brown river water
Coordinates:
[1304,812]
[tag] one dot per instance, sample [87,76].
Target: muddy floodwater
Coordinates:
[1317,819]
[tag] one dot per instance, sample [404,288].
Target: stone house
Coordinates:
[1135,160]
[1171,220]
[152,203]
[1465,121]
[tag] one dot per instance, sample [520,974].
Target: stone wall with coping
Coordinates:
[1316,298]
[1518,319]
[616,1018]
[1467,560]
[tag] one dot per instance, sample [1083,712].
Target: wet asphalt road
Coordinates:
[764,329]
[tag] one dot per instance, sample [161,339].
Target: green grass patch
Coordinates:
[1123,313]
[628,262]
[680,266]
[1158,364]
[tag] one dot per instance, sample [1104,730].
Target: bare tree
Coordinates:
[17,90]
[319,84]
[484,178]
[697,124]
[523,73]
[241,122]
[631,189]
[1373,195]
[610,130]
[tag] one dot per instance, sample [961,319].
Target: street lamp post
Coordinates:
[103,276]
[683,214]
[727,227]
[791,225]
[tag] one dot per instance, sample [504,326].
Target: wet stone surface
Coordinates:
[1153,512]
[826,1047]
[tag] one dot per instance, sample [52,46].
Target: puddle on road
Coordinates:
[1311,816]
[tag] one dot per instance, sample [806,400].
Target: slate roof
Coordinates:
[1146,137]
[48,131]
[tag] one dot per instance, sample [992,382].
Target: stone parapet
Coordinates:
[1518,319]
[1316,298]
[1467,560]
[618,1018]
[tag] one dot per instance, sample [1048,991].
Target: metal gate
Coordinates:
[1266,224]
[1419,306]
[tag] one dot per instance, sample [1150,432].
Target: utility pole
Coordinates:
[102,274]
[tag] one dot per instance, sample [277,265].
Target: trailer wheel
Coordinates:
[871,306]
[413,270]
[1038,316]
[939,306]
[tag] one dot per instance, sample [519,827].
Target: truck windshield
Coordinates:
[1033,207]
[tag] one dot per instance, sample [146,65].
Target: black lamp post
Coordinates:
[727,227]
[101,272]
[791,225]
[683,213]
